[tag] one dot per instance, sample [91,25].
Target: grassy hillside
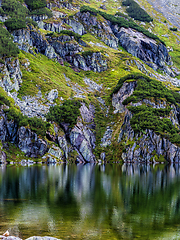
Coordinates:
[46,74]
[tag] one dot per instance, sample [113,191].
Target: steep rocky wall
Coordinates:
[152,53]
[63,47]
[147,146]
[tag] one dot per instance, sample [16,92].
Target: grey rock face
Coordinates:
[76,26]
[64,47]
[10,238]
[82,137]
[2,157]
[106,140]
[125,91]
[30,144]
[101,29]
[10,75]
[53,155]
[142,47]
[94,62]
[62,142]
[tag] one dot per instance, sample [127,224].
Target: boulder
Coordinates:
[52,95]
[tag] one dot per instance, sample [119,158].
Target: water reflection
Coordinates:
[91,201]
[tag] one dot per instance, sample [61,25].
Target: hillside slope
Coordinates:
[87,82]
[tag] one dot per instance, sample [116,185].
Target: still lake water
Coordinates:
[91,201]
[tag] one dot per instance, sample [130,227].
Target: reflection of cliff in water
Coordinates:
[130,200]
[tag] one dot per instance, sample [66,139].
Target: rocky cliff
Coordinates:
[123,72]
[145,145]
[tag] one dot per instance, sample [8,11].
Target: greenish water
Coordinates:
[91,201]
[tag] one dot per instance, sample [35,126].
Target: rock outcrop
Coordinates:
[152,53]
[27,141]
[30,144]
[99,28]
[10,74]
[2,156]
[82,137]
[63,47]
[147,146]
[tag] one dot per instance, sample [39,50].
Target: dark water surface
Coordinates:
[91,201]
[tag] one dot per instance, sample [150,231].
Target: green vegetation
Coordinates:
[14,24]
[7,47]
[42,11]
[136,12]
[147,88]
[121,22]
[68,112]
[173,29]
[65,32]
[35,124]
[149,118]
[14,9]
[19,12]
[71,33]
[35,4]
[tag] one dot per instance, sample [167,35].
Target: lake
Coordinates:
[91,201]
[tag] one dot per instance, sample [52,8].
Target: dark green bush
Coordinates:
[71,33]
[14,8]
[7,47]
[150,118]
[42,11]
[15,23]
[35,4]
[67,113]
[173,29]
[29,21]
[136,12]
[87,53]
[2,13]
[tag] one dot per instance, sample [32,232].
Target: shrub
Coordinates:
[147,88]
[15,24]
[29,21]
[173,29]
[67,113]
[35,4]
[87,53]
[14,8]
[71,33]
[146,117]
[7,47]
[42,11]
[136,12]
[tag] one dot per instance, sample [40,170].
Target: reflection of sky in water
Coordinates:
[91,201]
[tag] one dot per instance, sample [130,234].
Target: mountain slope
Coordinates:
[69,58]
